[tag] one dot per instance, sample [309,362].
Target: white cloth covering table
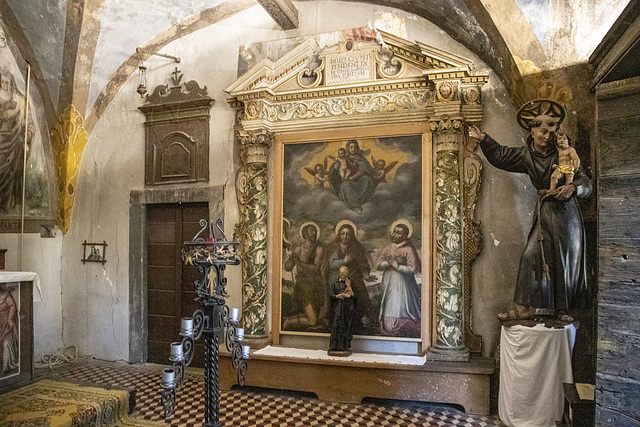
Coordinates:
[23,276]
[534,363]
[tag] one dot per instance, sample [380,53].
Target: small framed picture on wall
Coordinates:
[94,252]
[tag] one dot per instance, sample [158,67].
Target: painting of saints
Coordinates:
[11,145]
[356,210]
[12,154]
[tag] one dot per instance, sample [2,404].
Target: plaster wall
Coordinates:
[95,296]
[568,30]
[505,209]
[116,42]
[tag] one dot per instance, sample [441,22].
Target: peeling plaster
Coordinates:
[114,303]
[43,23]
[117,42]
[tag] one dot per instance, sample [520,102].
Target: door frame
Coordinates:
[139,200]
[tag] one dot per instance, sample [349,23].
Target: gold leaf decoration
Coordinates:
[68,139]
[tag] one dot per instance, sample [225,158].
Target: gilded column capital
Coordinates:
[447,133]
[254,145]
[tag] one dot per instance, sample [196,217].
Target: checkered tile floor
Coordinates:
[251,407]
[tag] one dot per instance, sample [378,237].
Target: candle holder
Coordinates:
[168,397]
[213,320]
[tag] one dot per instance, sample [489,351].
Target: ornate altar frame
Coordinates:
[363,86]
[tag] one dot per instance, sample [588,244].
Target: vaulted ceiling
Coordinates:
[82,51]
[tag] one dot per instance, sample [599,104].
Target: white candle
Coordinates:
[234,314]
[245,351]
[187,323]
[168,375]
[176,350]
[240,334]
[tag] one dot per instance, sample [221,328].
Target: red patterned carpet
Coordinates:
[251,407]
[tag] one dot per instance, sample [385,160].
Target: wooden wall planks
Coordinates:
[618,369]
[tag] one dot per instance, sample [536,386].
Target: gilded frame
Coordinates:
[276,220]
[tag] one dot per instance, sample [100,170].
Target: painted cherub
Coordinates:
[381,169]
[568,162]
[320,174]
[343,164]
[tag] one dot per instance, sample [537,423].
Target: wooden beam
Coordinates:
[80,41]
[282,11]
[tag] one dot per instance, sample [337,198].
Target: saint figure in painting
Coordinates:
[400,306]
[343,312]
[9,351]
[12,145]
[347,251]
[355,185]
[308,289]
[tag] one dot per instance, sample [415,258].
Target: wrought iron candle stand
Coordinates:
[213,320]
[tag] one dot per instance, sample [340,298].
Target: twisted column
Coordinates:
[251,191]
[449,281]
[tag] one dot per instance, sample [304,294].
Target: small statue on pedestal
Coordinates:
[343,314]
[552,272]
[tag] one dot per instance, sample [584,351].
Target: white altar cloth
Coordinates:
[534,363]
[355,357]
[23,276]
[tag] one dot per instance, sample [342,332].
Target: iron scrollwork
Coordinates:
[213,320]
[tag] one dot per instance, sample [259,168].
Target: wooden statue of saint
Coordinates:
[552,272]
[343,314]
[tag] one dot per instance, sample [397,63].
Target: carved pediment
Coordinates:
[386,76]
[310,68]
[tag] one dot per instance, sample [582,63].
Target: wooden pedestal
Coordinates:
[462,383]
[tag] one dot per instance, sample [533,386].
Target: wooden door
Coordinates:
[170,289]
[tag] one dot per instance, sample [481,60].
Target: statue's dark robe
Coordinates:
[343,313]
[562,231]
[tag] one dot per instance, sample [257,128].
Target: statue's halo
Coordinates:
[540,107]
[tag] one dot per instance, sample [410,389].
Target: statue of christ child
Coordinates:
[568,163]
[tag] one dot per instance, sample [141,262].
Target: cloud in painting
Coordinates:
[401,197]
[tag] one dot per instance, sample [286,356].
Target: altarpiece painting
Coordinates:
[342,201]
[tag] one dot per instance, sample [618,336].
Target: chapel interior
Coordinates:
[130,129]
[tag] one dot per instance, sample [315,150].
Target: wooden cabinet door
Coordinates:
[170,289]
